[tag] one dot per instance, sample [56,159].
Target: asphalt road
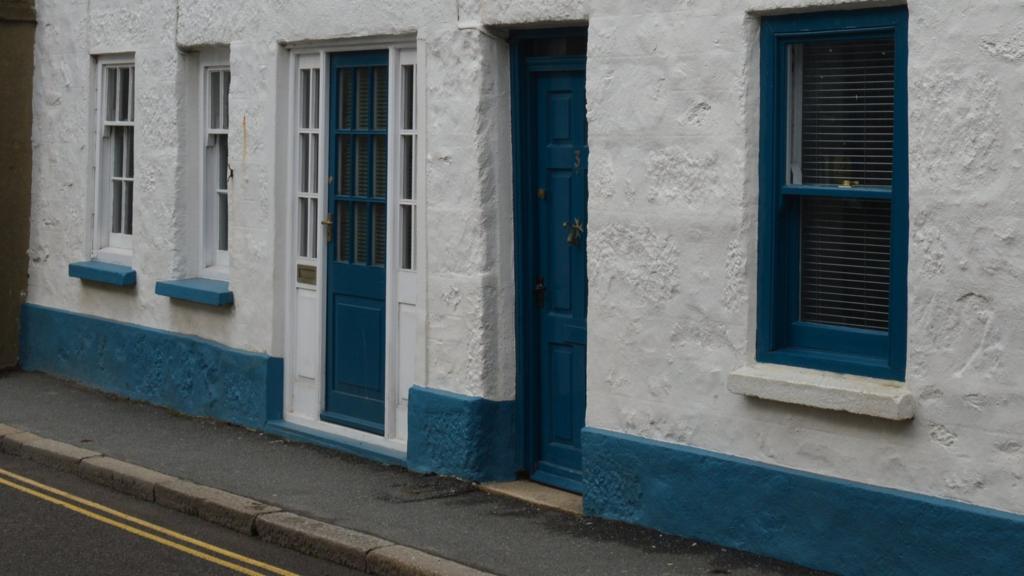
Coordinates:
[40,537]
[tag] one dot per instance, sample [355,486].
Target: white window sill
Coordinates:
[111,255]
[222,273]
[886,399]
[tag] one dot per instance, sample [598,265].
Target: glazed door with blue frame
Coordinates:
[557,219]
[356,227]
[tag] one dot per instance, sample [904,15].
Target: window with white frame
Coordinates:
[115,163]
[216,172]
[308,162]
[407,136]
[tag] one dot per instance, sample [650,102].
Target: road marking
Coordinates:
[138,532]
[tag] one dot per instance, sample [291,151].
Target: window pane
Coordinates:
[222,221]
[226,80]
[111,94]
[363,98]
[408,96]
[304,99]
[314,159]
[380,98]
[222,161]
[303,163]
[406,221]
[115,212]
[315,107]
[303,226]
[362,165]
[124,93]
[844,268]
[117,170]
[128,195]
[407,167]
[846,110]
[129,151]
[380,234]
[362,232]
[214,100]
[314,229]
[380,167]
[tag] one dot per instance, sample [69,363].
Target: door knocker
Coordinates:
[575,231]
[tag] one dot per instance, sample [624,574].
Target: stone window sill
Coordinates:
[886,399]
[199,290]
[102,272]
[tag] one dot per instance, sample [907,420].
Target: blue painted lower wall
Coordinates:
[464,436]
[816,521]
[188,374]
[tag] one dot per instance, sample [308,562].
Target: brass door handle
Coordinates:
[328,224]
[575,230]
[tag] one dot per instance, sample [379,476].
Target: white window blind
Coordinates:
[841,134]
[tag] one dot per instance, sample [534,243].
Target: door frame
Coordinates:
[527,423]
[391,443]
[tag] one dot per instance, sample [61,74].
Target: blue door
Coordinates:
[357,240]
[554,221]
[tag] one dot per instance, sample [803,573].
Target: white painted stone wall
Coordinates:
[673,117]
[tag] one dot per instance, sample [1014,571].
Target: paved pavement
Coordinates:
[442,516]
[41,537]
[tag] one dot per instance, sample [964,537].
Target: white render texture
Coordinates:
[672,90]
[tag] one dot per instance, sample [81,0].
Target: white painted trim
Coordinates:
[886,399]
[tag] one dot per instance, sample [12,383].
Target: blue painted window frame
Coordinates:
[781,337]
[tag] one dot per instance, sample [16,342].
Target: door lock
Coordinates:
[328,224]
[539,289]
[575,231]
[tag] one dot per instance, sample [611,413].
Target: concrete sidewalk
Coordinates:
[442,516]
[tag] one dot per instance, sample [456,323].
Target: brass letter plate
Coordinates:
[307,274]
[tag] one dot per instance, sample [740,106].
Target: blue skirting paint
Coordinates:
[186,373]
[463,436]
[811,520]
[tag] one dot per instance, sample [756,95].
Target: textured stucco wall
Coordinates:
[17,35]
[672,107]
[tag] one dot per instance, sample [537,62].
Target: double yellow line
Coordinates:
[139,527]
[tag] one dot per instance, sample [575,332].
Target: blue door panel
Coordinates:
[556,220]
[357,243]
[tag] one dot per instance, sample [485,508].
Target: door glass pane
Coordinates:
[344,231]
[347,94]
[214,99]
[408,96]
[226,81]
[303,214]
[362,165]
[844,262]
[380,234]
[362,98]
[406,221]
[345,165]
[314,216]
[380,98]
[380,167]
[115,220]
[361,232]
[304,99]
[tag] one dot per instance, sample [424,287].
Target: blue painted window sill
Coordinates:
[199,290]
[102,272]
